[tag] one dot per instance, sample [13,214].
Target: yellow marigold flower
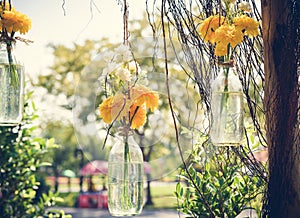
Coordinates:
[142,95]
[105,110]
[138,116]
[221,49]
[8,20]
[23,25]
[247,25]
[209,26]
[14,21]
[228,34]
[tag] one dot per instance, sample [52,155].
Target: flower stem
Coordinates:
[12,66]
[126,166]
[225,91]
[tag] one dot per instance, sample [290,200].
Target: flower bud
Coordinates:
[123,74]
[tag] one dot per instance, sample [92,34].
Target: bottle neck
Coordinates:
[125,131]
[7,52]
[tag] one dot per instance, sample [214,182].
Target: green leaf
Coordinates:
[50,143]
[45,164]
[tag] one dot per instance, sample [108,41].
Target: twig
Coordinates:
[172,110]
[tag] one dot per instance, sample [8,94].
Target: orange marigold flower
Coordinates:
[228,34]
[142,95]
[105,109]
[209,26]
[137,116]
[120,106]
[247,25]
[114,107]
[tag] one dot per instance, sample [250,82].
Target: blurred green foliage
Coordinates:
[22,192]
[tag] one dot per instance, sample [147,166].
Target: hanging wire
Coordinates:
[63,7]
[125,22]
[125,42]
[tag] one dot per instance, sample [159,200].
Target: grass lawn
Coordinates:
[162,196]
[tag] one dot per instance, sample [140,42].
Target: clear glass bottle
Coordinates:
[11,87]
[125,177]
[227,109]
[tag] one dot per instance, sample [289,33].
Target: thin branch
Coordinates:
[172,110]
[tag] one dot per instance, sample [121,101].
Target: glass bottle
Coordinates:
[11,86]
[125,177]
[227,109]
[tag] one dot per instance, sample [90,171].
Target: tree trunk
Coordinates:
[146,157]
[281,103]
[149,196]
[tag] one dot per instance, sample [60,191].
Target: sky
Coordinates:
[78,21]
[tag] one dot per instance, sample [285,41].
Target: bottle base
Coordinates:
[117,214]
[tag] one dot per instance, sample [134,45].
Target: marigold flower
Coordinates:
[105,109]
[143,95]
[24,24]
[209,26]
[114,108]
[247,25]
[118,106]
[228,34]
[14,21]
[221,49]
[137,116]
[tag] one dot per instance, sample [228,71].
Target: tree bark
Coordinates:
[281,103]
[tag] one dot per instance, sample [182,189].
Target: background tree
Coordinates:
[58,87]
[73,77]
[281,27]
